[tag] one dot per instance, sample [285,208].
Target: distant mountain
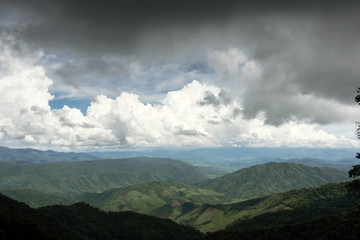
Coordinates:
[341,164]
[83,222]
[270,178]
[277,209]
[235,158]
[233,154]
[37,156]
[145,197]
[72,178]
[36,199]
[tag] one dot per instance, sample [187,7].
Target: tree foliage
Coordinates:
[354,186]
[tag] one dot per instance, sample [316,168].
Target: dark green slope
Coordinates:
[37,156]
[145,197]
[269,178]
[345,226]
[35,198]
[83,222]
[69,178]
[281,208]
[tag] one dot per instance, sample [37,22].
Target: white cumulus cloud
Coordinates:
[197,115]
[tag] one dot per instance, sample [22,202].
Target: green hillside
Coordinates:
[73,178]
[344,226]
[145,197]
[37,156]
[270,178]
[83,222]
[35,198]
[80,221]
[292,206]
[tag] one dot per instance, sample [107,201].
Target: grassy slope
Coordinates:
[311,202]
[145,197]
[270,178]
[34,198]
[69,178]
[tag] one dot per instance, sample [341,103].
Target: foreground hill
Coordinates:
[83,222]
[37,156]
[281,208]
[145,197]
[70,178]
[269,178]
[34,198]
[339,227]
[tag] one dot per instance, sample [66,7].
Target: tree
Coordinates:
[354,186]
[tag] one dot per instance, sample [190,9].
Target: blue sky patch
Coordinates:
[81,104]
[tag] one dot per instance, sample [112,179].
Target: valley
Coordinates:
[254,198]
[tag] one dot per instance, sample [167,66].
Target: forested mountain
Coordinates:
[234,154]
[269,178]
[72,178]
[37,156]
[83,222]
[35,198]
[277,209]
[145,197]
[267,216]
[339,227]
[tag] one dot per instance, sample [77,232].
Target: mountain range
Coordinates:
[37,156]
[106,199]
[221,160]
[269,178]
[72,178]
[316,208]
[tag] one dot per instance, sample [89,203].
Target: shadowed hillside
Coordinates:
[83,222]
[345,226]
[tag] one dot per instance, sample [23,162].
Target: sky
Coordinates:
[87,75]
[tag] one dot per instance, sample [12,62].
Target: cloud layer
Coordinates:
[304,50]
[195,115]
[264,72]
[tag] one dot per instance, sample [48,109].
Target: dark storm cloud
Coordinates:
[315,57]
[304,49]
[102,27]
[211,99]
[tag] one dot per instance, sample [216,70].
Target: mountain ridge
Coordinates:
[38,156]
[70,178]
[269,178]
